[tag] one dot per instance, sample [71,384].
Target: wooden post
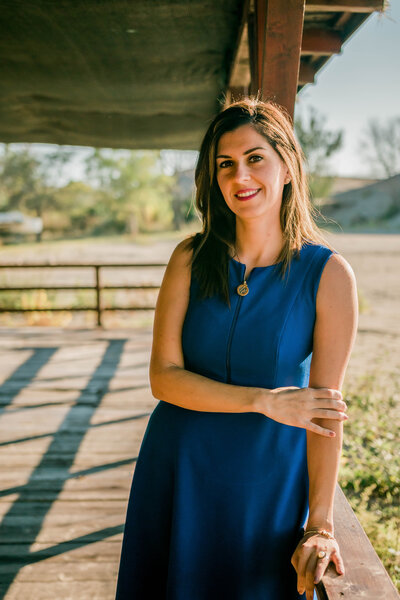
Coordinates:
[252,37]
[278,37]
[98,299]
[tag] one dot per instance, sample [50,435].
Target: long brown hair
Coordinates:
[210,257]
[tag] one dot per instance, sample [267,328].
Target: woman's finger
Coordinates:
[310,570]
[338,561]
[326,393]
[328,403]
[301,568]
[318,429]
[324,413]
[321,566]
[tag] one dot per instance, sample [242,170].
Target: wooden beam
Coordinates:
[365,575]
[307,73]
[240,73]
[261,25]
[353,6]
[252,38]
[322,42]
[278,35]
[342,20]
[236,93]
[239,76]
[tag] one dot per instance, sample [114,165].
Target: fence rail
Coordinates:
[97,287]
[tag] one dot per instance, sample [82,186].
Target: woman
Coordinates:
[253,330]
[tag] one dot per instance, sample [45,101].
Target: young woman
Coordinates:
[232,496]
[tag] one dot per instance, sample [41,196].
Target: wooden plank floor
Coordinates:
[74,405]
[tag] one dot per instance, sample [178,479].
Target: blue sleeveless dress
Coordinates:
[219,500]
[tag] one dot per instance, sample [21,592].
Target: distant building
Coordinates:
[15,222]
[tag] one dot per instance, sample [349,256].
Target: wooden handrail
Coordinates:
[97,287]
[365,576]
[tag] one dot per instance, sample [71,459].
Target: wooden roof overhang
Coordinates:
[282,44]
[152,74]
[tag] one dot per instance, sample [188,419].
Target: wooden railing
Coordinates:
[365,577]
[97,287]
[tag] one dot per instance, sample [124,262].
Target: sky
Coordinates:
[361,83]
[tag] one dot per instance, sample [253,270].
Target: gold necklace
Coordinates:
[242,289]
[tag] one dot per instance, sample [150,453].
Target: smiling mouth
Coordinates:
[247,195]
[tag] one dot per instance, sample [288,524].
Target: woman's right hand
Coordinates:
[298,406]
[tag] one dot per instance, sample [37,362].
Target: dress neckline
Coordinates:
[266,267]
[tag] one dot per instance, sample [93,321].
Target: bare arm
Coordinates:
[334,335]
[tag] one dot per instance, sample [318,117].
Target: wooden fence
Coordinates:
[97,287]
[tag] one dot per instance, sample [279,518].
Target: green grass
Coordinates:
[370,465]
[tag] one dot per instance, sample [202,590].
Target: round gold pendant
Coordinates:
[242,289]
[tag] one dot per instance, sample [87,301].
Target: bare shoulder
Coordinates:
[177,275]
[182,254]
[338,282]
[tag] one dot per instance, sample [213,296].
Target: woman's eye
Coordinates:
[224,164]
[228,163]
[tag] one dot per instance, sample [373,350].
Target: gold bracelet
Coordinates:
[323,532]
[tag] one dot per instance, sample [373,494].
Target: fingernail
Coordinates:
[332,434]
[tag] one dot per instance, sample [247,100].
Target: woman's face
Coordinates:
[250,173]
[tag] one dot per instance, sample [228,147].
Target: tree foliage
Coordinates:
[319,144]
[21,185]
[124,191]
[380,146]
[132,190]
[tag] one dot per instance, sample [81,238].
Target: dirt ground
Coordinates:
[375,260]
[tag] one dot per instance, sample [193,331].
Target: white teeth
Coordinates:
[245,194]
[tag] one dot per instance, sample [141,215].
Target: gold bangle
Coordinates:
[318,531]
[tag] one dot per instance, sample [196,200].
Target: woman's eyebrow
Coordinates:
[247,152]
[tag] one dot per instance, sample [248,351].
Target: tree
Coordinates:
[21,186]
[318,144]
[26,177]
[380,146]
[134,192]
[181,165]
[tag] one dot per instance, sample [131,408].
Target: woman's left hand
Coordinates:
[309,567]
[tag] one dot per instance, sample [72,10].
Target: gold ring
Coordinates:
[321,554]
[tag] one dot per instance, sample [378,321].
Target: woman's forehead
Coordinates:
[240,140]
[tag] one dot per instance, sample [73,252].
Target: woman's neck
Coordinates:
[256,244]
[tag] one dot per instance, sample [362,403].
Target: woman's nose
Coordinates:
[241,173]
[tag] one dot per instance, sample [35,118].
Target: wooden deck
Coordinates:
[74,406]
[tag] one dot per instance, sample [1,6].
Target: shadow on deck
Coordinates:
[80,401]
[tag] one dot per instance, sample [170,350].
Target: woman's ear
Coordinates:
[287,178]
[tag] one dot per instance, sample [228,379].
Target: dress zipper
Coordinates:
[228,348]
